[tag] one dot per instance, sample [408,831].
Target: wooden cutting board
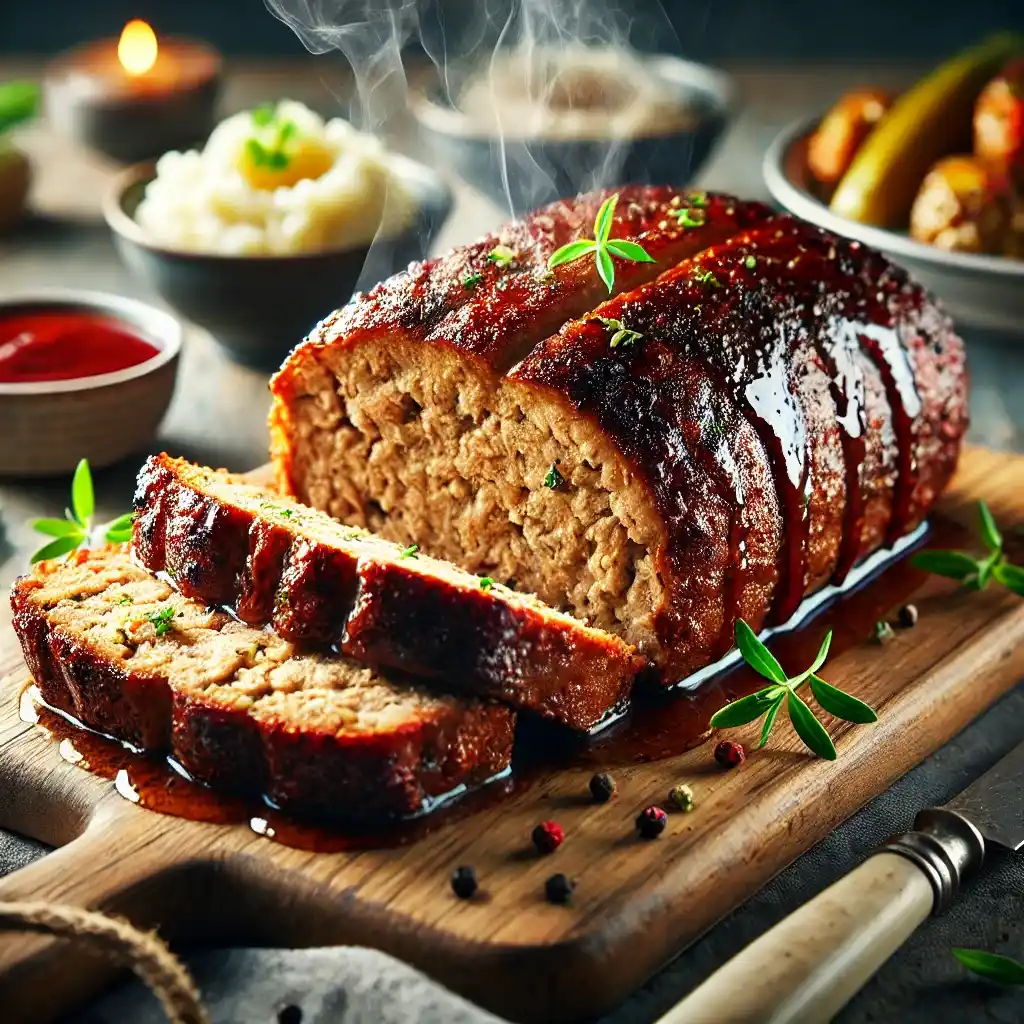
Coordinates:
[637,902]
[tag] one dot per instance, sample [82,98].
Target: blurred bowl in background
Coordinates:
[260,307]
[979,291]
[47,426]
[544,167]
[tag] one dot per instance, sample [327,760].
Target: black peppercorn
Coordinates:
[907,617]
[464,883]
[290,1014]
[602,787]
[558,888]
[650,822]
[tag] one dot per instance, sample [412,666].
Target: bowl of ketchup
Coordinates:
[82,375]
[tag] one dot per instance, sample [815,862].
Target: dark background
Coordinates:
[776,30]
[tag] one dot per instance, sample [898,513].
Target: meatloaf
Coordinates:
[239,707]
[271,560]
[716,442]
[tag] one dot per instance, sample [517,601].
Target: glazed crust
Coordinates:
[273,563]
[284,751]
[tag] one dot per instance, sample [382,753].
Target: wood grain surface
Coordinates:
[636,904]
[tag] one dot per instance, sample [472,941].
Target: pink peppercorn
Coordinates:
[548,836]
[650,822]
[729,754]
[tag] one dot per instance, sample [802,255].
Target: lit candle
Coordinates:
[135,97]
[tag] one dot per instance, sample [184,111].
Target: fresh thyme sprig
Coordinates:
[770,699]
[77,528]
[976,572]
[994,966]
[603,247]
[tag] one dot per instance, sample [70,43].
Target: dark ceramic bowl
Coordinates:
[260,307]
[542,170]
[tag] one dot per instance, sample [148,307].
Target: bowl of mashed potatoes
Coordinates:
[269,227]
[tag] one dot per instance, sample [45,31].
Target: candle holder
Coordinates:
[136,98]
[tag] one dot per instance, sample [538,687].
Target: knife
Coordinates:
[806,968]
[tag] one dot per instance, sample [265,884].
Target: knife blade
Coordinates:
[806,968]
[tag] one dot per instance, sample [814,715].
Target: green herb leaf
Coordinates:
[956,565]
[990,535]
[409,552]
[698,199]
[750,262]
[121,523]
[118,536]
[705,277]
[1003,969]
[819,660]
[471,280]
[571,251]
[58,528]
[625,338]
[985,567]
[605,268]
[502,255]
[769,720]
[605,216]
[256,152]
[686,218]
[56,548]
[264,115]
[162,619]
[841,704]
[1010,576]
[82,498]
[19,102]
[554,479]
[486,583]
[756,655]
[626,250]
[746,709]
[808,728]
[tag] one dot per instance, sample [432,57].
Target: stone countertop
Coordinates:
[218,418]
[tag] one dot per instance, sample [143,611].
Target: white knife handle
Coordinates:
[806,968]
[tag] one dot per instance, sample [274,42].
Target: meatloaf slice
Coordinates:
[274,561]
[716,443]
[240,708]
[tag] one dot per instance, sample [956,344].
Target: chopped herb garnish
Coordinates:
[750,262]
[77,529]
[687,218]
[603,247]
[486,583]
[502,256]
[271,507]
[621,336]
[163,620]
[705,277]
[554,479]
[1002,969]
[471,280]
[410,551]
[972,572]
[124,599]
[698,199]
[767,701]
[263,115]
[269,151]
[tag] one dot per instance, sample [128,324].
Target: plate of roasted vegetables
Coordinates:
[933,177]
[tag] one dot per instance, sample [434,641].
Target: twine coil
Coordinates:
[146,954]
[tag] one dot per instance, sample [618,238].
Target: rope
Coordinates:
[146,954]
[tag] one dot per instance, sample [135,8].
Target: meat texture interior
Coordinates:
[783,404]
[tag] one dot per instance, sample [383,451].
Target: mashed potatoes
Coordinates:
[275,180]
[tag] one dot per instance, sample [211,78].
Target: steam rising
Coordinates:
[502,50]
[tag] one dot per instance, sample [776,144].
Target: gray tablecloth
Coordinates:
[922,984]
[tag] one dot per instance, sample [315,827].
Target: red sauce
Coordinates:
[67,345]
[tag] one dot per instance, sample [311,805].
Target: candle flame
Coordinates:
[137,47]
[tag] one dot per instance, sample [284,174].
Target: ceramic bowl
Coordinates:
[259,307]
[46,427]
[568,166]
[979,291]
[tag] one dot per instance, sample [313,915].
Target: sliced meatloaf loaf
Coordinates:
[274,561]
[239,707]
[717,442]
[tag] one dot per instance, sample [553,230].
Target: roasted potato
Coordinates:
[999,122]
[961,206]
[841,132]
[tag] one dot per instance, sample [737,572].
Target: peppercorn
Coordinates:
[883,632]
[290,1014]
[907,616]
[680,798]
[651,822]
[729,754]
[464,883]
[558,888]
[602,787]
[548,836]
